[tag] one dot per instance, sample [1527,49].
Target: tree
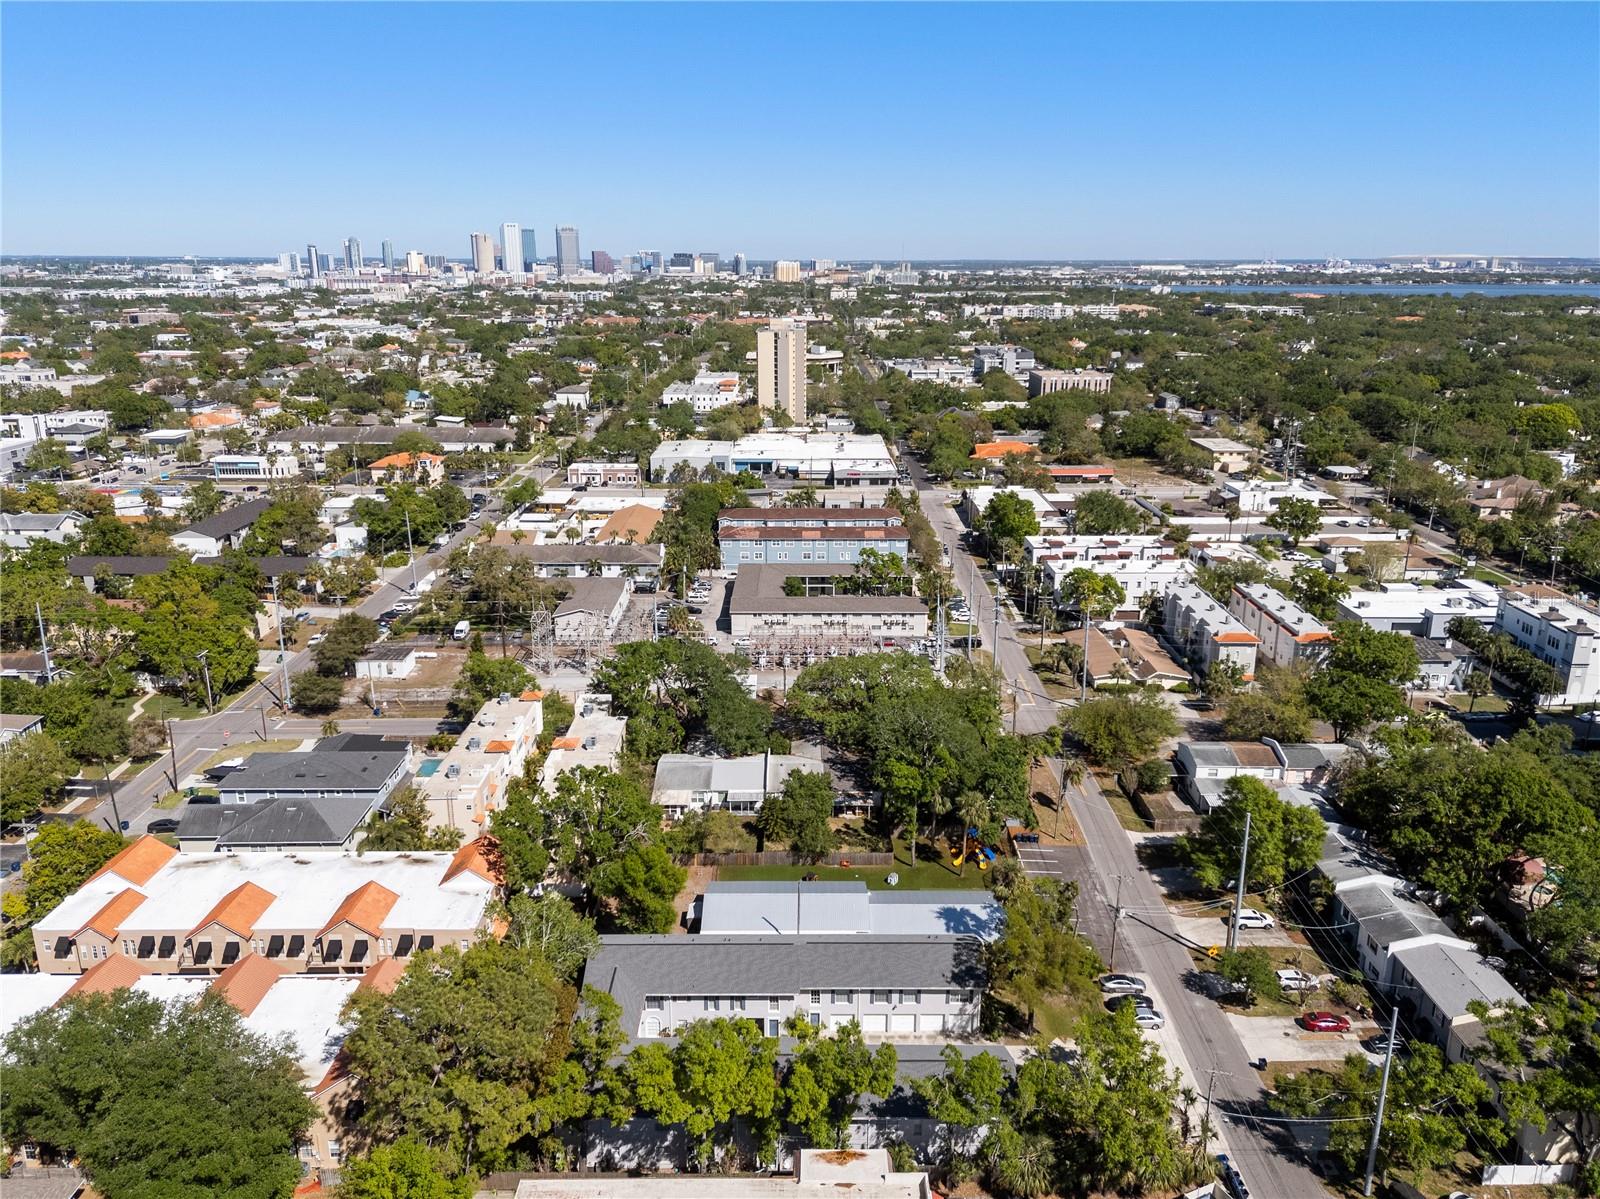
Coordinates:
[183,616]
[483,678]
[1007,519]
[827,1076]
[1038,955]
[346,640]
[205,499]
[1285,838]
[48,457]
[61,857]
[407,1169]
[403,825]
[799,814]
[460,1055]
[1432,1108]
[1098,512]
[1276,708]
[1318,591]
[641,884]
[147,736]
[1359,683]
[1251,970]
[1477,685]
[315,693]
[719,1072]
[33,774]
[1296,519]
[1094,595]
[549,925]
[1545,1058]
[1118,730]
[969,1094]
[157,1100]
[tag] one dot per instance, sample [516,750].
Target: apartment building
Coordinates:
[1226,454]
[307,913]
[1288,633]
[706,392]
[1560,633]
[1043,383]
[844,908]
[462,788]
[865,1173]
[781,368]
[1205,633]
[793,543]
[826,459]
[226,530]
[895,986]
[1422,611]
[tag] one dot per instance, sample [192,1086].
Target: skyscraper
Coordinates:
[352,253]
[601,263]
[511,247]
[313,263]
[705,263]
[567,250]
[483,253]
[786,271]
[530,250]
[781,368]
[741,265]
[388,255]
[416,264]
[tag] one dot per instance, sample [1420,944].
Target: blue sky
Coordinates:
[845,130]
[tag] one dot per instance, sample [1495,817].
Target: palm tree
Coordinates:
[1477,685]
[1231,511]
[1073,772]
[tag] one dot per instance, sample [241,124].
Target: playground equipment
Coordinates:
[971,847]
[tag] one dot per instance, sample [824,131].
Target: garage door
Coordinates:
[875,1023]
[933,1023]
[903,1022]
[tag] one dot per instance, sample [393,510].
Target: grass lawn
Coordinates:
[1057,686]
[1056,1018]
[1490,576]
[927,875]
[1127,815]
[245,749]
[170,707]
[1487,703]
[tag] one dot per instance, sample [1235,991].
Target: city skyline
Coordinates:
[1194,131]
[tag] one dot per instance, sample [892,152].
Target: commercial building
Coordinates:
[759,608]
[1421,611]
[1559,633]
[567,256]
[826,459]
[696,783]
[388,254]
[706,392]
[892,985]
[482,253]
[252,468]
[313,261]
[1226,454]
[1044,382]
[818,1174]
[464,787]
[530,249]
[603,474]
[511,248]
[388,660]
[1016,361]
[308,913]
[352,254]
[1204,633]
[1288,633]
[1264,495]
[601,263]
[781,368]
[746,909]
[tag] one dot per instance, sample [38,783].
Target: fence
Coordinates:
[1537,1175]
[782,857]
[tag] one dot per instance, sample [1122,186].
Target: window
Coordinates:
[772,1028]
[713,1005]
[127,948]
[816,997]
[655,1003]
[774,1003]
[736,1004]
[910,996]
[880,997]
[844,997]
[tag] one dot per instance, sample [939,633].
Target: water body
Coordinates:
[1590,290]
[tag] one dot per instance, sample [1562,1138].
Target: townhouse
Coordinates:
[1205,633]
[1288,633]
[833,535]
[309,913]
[1562,634]
[466,785]
[226,530]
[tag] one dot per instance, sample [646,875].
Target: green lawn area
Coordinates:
[1487,703]
[1490,576]
[1127,815]
[926,875]
[170,707]
[245,749]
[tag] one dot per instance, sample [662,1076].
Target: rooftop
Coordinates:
[758,589]
[762,908]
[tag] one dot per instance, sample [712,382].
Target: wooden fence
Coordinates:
[782,857]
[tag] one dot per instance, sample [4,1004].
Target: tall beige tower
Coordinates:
[781,368]
[483,253]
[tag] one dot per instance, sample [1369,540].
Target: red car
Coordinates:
[1325,1022]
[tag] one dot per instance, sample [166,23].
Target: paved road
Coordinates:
[251,716]
[1271,1162]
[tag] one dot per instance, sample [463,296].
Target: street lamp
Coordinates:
[206,673]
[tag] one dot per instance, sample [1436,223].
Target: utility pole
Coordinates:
[44,642]
[411,559]
[1083,680]
[172,745]
[1238,895]
[283,657]
[205,671]
[1116,922]
[1383,1097]
[1205,1120]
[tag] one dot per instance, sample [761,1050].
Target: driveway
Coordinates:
[1213,930]
[1280,1039]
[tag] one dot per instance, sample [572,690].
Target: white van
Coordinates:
[463,628]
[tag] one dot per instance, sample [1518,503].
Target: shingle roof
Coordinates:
[230,520]
[315,771]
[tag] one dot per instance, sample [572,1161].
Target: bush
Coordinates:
[316,693]
[397,558]
[1152,775]
[1184,688]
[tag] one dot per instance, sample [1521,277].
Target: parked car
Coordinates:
[1254,918]
[1149,1018]
[1231,1178]
[1122,984]
[1383,1043]
[1325,1022]
[317,639]
[1297,980]
[167,824]
[1136,999]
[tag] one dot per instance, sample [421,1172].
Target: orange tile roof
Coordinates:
[477,857]
[364,908]
[565,743]
[999,449]
[246,983]
[1237,639]
[497,747]
[639,519]
[238,910]
[139,862]
[532,695]
[14,354]
[109,918]
[404,459]
[383,977]
[116,973]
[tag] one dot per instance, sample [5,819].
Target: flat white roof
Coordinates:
[305,1008]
